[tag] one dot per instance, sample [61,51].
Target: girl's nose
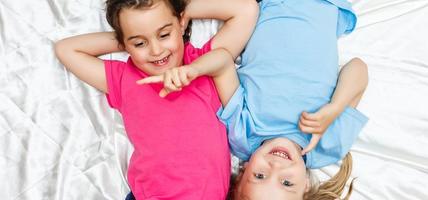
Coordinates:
[278,164]
[275,164]
[156,48]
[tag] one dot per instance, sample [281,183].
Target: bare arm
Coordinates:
[79,54]
[239,18]
[352,82]
[217,63]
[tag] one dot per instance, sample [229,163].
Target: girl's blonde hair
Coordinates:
[333,188]
[329,190]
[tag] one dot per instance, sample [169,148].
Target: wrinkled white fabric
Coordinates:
[59,140]
[391,154]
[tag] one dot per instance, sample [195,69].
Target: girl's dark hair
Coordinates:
[114,7]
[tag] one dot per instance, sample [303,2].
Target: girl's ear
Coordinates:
[307,184]
[184,21]
[242,166]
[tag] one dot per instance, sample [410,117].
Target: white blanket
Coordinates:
[59,140]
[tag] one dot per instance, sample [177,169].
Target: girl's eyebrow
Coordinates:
[253,182]
[159,29]
[164,26]
[132,37]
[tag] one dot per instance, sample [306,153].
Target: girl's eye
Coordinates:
[139,44]
[287,183]
[164,35]
[259,175]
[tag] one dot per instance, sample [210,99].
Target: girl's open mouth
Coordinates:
[280,152]
[162,61]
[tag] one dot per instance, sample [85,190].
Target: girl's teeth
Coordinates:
[161,61]
[280,154]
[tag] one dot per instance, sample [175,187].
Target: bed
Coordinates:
[59,140]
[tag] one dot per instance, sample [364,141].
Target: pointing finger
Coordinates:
[150,79]
[312,144]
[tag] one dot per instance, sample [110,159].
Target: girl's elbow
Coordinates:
[251,8]
[63,52]
[359,62]
[59,48]
[363,68]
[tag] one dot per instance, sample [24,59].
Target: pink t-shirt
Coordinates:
[181,149]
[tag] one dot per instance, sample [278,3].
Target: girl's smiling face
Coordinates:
[275,171]
[152,37]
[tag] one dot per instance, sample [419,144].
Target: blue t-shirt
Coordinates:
[290,65]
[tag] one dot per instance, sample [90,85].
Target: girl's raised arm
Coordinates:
[351,84]
[79,54]
[239,16]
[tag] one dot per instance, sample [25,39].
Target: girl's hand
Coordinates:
[317,123]
[173,79]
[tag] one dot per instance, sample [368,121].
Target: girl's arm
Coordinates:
[217,63]
[239,16]
[352,82]
[79,54]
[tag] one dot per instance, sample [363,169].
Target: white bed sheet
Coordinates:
[391,154]
[59,139]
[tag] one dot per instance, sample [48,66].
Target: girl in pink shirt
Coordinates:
[180,147]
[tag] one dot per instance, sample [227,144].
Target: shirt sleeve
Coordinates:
[346,22]
[191,53]
[114,71]
[347,18]
[240,125]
